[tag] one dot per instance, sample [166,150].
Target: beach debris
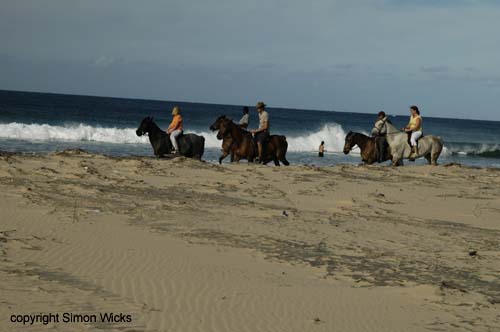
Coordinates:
[494,300]
[75,212]
[5,234]
[69,152]
[451,285]
[284,213]
[379,195]
[452,164]
[317,320]
[472,253]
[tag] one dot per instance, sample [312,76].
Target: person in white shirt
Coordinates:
[262,133]
[244,119]
[379,132]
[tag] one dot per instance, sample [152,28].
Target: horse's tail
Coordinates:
[436,150]
[285,143]
[281,151]
[202,147]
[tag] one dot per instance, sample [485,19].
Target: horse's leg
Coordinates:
[397,160]
[284,161]
[281,156]
[436,151]
[224,155]
[250,151]
[434,159]
[428,157]
[272,154]
[273,151]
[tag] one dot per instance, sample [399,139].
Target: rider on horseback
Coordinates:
[414,130]
[379,132]
[175,128]
[245,118]
[262,133]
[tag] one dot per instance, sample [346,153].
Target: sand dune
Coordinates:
[182,245]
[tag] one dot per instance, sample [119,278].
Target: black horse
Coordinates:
[190,145]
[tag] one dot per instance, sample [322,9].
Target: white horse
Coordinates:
[429,146]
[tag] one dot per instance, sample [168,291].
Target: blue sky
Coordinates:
[356,56]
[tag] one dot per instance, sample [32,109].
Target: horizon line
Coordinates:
[222,104]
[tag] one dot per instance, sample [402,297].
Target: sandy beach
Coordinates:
[182,245]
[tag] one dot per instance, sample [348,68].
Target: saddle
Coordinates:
[409,138]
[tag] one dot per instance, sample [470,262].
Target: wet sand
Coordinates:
[182,245]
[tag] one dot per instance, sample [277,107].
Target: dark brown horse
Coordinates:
[227,141]
[244,146]
[367,145]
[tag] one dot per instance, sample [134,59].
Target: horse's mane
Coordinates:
[155,126]
[237,126]
[353,133]
[391,129]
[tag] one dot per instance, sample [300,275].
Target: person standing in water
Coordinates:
[414,130]
[244,121]
[262,133]
[321,152]
[175,128]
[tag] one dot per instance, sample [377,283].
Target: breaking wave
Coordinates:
[472,149]
[81,132]
[332,133]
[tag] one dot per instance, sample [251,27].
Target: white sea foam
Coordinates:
[332,134]
[467,149]
[81,132]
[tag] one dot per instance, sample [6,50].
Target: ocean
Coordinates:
[43,122]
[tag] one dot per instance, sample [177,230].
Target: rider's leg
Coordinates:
[173,139]
[413,140]
[259,148]
[384,147]
[380,148]
[414,137]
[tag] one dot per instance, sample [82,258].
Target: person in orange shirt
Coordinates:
[175,128]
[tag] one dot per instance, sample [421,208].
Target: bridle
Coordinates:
[354,145]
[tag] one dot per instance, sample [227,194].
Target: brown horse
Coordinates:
[367,145]
[227,141]
[244,146]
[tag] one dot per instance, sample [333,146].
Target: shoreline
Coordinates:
[135,157]
[186,245]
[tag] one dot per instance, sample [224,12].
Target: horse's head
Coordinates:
[224,128]
[216,125]
[145,126]
[349,142]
